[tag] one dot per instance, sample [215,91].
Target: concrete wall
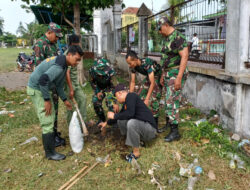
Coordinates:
[208,92]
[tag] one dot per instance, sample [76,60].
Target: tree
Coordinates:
[78,6]
[1,25]
[21,30]
[8,38]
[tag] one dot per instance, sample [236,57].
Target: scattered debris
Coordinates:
[60,172]
[236,160]
[102,160]
[8,170]
[205,141]
[21,103]
[173,179]
[9,102]
[197,123]
[198,170]
[25,100]
[3,112]
[29,140]
[211,175]
[153,180]
[40,174]
[214,120]
[191,182]
[235,137]
[1,130]
[246,148]
[70,153]
[216,130]
[243,141]
[11,115]
[136,166]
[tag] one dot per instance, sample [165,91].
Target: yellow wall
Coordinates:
[20,42]
[128,19]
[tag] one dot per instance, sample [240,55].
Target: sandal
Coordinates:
[130,156]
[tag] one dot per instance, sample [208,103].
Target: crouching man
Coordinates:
[48,75]
[135,120]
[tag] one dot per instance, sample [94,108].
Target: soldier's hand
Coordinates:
[47,106]
[177,84]
[162,80]
[146,101]
[116,108]
[111,115]
[71,94]
[68,105]
[102,125]
[99,95]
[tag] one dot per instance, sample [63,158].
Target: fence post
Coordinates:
[143,13]
[117,11]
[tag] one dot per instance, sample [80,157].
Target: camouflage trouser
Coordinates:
[55,102]
[80,98]
[172,97]
[109,100]
[155,96]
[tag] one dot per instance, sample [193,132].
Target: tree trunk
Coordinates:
[77,29]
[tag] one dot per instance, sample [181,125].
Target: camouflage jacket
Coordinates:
[147,66]
[100,76]
[43,49]
[172,45]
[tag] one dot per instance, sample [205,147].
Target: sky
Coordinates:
[13,14]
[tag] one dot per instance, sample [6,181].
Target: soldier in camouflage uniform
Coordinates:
[73,88]
[150,88]
[174,62]
[44,48]
[101,81]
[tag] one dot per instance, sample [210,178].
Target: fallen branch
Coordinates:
[73,178]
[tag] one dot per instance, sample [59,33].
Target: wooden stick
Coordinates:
[84,128]
[73,178]
[85,173]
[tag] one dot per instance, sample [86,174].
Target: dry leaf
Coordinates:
[211,175]
[118,169]
[177,156]
[205,141]
[11,115]
[21,103]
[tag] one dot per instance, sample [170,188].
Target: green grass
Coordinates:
[8,58]
[28,161]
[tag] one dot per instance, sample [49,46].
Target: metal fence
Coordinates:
[205,18]
[129,36]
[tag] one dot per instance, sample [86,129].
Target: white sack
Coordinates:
[75,134]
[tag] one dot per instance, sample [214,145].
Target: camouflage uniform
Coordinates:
[79,96]
[148,66]
[170,61]
[100,81]
[44,49]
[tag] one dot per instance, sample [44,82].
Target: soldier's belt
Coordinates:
[170,68]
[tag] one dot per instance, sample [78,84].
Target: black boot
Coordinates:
[49,147]
[174,134]
[59,141]
[164,128]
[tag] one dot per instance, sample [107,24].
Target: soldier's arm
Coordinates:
[94,85]
[39,54]
[151,77]
[132,83]
[68,79]
[184,58]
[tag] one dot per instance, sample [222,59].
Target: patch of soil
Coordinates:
[14,80]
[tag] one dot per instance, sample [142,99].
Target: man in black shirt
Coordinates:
[135,120]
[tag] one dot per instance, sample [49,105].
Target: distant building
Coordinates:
[129,16]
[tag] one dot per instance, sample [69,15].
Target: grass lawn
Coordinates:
[27,162]
[8,58]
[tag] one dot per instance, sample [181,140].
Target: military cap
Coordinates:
[55,28]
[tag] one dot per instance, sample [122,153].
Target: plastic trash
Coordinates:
[6,112]
[136,166]
[243,142]
[173,179]
[75,134]
[29,140]
[102,160]
[236,137]
[197,123]
[198,170]
[216,130]
[191,182]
